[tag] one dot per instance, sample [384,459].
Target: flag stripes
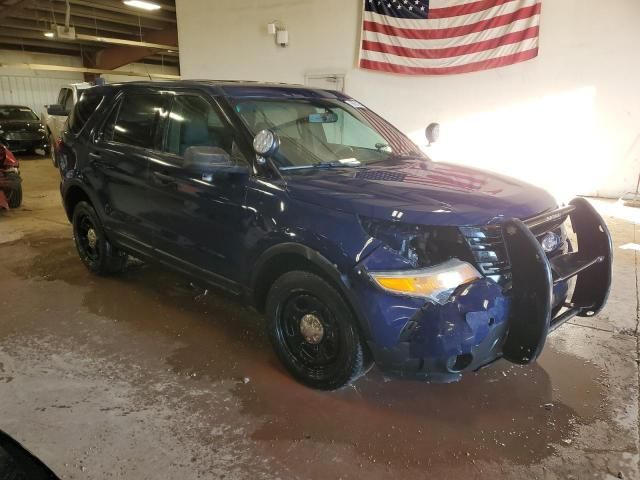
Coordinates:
[451,37]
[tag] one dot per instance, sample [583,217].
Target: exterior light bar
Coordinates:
[142,4]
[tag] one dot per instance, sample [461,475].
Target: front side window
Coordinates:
[136,120]
[193,122]
[62,96]
[314,132]
[68,102]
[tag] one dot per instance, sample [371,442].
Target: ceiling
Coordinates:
[23,23]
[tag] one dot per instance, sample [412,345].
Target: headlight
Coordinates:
[435,283]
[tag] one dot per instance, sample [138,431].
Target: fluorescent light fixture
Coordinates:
[144,5]
[49,34]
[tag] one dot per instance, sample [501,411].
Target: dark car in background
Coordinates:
[21,130]
[354,244]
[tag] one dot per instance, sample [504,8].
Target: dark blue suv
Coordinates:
[355,245]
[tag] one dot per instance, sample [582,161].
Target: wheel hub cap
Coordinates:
[92,238]
[311,329]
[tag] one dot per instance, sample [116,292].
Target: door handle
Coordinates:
[95,155]
[163,179]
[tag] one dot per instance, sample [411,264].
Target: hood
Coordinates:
[420,192]
[31,126]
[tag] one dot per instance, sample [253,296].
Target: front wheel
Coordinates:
[95,251]
[314,332]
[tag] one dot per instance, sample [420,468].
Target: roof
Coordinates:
[239,89]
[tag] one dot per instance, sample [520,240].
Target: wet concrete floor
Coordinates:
[146,375]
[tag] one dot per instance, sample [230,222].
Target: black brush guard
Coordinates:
[534,276]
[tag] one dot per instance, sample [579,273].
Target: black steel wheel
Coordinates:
[314,332]
[95,251]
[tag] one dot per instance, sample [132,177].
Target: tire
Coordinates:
[95,251]
[14,197]
[326,352]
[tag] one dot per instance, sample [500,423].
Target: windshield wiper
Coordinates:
[335,164]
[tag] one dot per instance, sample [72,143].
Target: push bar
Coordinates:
[534,276]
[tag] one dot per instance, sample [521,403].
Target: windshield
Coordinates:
[16,113]
[325,132]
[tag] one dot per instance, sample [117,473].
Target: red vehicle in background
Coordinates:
[10,180]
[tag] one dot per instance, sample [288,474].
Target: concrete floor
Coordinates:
[145,376]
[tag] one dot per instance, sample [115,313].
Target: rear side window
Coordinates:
[83,111]
[136,120]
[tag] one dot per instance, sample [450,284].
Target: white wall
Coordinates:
[32,87]
[568,120]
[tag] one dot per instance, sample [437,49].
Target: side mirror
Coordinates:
[209,160]
[266,143]
[57,110]
[432,133]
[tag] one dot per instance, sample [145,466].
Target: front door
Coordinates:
[201,217]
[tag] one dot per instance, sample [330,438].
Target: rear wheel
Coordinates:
[314,332]
[95,251]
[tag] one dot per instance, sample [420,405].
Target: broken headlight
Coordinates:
[423,246]
[435,283]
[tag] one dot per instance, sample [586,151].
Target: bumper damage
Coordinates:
[483,322]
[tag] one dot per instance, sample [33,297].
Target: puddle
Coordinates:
[505,411]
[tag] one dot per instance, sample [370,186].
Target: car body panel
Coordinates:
[229,229]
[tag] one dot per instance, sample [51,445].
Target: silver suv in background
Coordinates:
[55,115]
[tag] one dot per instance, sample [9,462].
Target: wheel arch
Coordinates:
[287,257]
[74,194]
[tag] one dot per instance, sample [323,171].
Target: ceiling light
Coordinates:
[144,5]
[49,34]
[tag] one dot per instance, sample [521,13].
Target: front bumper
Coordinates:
[483,322]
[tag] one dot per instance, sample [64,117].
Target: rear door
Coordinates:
[201,220]
[119,160]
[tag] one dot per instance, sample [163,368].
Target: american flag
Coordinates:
[443,37]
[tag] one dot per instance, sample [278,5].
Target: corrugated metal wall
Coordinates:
[32,91]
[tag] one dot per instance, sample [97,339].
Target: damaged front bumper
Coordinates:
[484,321]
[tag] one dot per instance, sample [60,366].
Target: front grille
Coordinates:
[487,246]
[488,249]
